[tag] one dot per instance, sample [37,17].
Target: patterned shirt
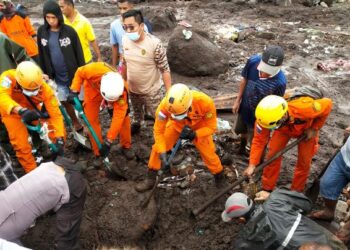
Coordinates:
[7,176]
[257,88]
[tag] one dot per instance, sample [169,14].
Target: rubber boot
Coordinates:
[242,150]
[219,179]
[148,183]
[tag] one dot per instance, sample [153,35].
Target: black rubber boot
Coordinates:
[148,183]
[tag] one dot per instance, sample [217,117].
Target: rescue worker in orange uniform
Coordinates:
[288,120]
[189,115]
[103,85]
[18,88]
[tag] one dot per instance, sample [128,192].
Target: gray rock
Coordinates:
[160,18]
[197,56]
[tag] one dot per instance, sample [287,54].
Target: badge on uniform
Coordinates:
[6,82]
[143,52]
[316,106]
[209,115]
[121,101]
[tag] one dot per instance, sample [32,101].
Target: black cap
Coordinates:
[272,59]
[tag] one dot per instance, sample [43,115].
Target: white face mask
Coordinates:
[30,93]
[179,117]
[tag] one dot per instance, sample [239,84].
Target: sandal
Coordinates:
[320,215]
[343,235]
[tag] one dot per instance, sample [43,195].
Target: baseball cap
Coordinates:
[238,204]
[271,61]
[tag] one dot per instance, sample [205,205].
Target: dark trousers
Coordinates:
[69,216]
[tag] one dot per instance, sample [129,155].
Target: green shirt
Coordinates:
[10,53]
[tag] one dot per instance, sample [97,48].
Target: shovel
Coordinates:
[79,108]
[195,212]
[43,132]
[160,172]
[68,121]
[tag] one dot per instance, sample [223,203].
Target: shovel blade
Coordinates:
[82,140]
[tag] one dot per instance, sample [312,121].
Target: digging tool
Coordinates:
[79,108]
[68,121]
[43,131]
[195,212]
[160,172]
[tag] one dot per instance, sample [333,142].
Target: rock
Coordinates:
[324,5]
[284,3]
[160,18]
[197,56]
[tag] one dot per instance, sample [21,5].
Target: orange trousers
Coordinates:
[18,134]
[205,146]
[306,150]
[91,110]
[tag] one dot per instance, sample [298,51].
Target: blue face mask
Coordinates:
[133,36]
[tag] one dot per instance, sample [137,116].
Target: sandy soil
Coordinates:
[308,36]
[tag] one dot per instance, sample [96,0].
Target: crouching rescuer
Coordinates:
[103,86]
[188,115]
[24,96]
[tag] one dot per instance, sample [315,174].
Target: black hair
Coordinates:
[126,1]
[137,14]
[69,2]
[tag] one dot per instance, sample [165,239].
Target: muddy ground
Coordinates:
[308,36]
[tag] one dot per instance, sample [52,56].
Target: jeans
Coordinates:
[335,178]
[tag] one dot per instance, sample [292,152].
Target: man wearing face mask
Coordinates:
[261,76]
[188,115]
[24,95]
[292,119]
[146,67]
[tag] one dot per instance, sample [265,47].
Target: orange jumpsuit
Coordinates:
[201,118]
[304,113]
[90,76]
[11,96]
[20,30]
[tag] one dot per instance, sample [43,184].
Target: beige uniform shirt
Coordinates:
[145,62]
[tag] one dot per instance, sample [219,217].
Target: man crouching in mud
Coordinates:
[56,185]
[278,223]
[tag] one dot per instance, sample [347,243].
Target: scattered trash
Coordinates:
[187,34]
[292,23]
[200,231]
[223,126]
[185,24]
[332,65]
[114,193]
[324,5]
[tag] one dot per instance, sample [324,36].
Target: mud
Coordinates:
[308,36]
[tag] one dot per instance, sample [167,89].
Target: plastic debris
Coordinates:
[223,126]
[187,34]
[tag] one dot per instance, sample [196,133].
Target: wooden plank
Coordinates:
[224,102]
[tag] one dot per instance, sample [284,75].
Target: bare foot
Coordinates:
[321,215]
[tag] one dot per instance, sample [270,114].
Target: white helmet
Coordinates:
[112,86]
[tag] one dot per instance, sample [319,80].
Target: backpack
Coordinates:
[303,91]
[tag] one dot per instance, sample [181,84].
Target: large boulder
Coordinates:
[197,56]
[160,18]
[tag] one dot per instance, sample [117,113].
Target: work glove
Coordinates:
[28,115]
[164,162]
[104,150]
[71,96]
[60,146]
[187,134]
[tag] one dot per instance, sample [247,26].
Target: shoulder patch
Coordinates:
[162,115]
[258,129]
[316,106]
[209,115]
[121,101]
[6,82]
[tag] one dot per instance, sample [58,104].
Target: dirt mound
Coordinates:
[123,219]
